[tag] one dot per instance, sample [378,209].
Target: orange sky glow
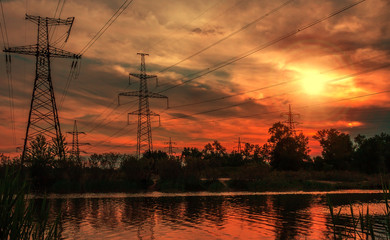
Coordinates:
[335,74]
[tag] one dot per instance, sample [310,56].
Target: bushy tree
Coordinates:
[94,160]
[40,152]
[337,148]
[4,160]
[105,160]
[135,169]
[285,150]
[153,158]
[191,152]
[372,155]
[214,153]
[40,157]
[214,149]
[251,153]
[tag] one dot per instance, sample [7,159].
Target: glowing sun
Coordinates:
[313,82]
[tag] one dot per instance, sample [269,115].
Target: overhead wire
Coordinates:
[260,114]
[115,134]
[188,23]
[55,14]
[329,81]
[258,19]
[100,125]
[272,42]
[231,34]
[73,75]
[4,24]
[263,46]
[297,107]
[110,21]
[8,60]
[277,84]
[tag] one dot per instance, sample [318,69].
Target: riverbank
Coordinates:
[273,181]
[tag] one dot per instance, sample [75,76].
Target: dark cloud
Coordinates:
[207,31]
[173,30]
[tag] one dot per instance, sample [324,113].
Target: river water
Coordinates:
[293,215]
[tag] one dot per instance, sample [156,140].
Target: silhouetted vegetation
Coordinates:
[282,163]
[361,224]
[286,150]
[21,218]
[337,149]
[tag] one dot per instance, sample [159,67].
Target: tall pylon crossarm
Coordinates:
[75,151]
[170,146]
[33,50]
[291,123]
[43,116]
[144,131]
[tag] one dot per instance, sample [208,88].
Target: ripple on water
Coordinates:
[207,216]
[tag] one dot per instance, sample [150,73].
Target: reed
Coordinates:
[21,218]
[360,226]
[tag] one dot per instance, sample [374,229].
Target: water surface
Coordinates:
[293,215]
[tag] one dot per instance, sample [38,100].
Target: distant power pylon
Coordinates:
[144,132]
[43,116]
[75,152]
[239,145]
[290,119]
[170,147]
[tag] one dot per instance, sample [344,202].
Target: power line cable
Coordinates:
[276,40]
[4,34]
[208,70]
[188,23]
[230,35]
[110,21]
[4,24]
[100,125]
[330,81]
[263,46]
[278,84]
[299,107]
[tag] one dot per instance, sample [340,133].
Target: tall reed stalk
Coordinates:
[21,218]
[362,225]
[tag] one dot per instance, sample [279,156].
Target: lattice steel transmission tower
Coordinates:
[43,116]
[75,151]
[144,132]
[170,146]
[240,148]
[290,119]
[239,145]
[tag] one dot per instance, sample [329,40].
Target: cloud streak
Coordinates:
[171,31]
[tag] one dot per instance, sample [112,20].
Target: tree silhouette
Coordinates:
[372,155]
[214,153]
[40,152]
[285,150]
[337,148]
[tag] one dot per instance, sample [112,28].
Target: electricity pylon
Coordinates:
[239,145]
[170,146]
[144,132]
[43,116]
[290,119]
[75,152]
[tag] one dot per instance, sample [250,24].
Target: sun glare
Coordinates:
[313,82]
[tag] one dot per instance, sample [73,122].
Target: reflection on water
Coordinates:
[224,216]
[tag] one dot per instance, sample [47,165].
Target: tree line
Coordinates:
[285,150]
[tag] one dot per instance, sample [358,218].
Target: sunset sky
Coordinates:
[335,74]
